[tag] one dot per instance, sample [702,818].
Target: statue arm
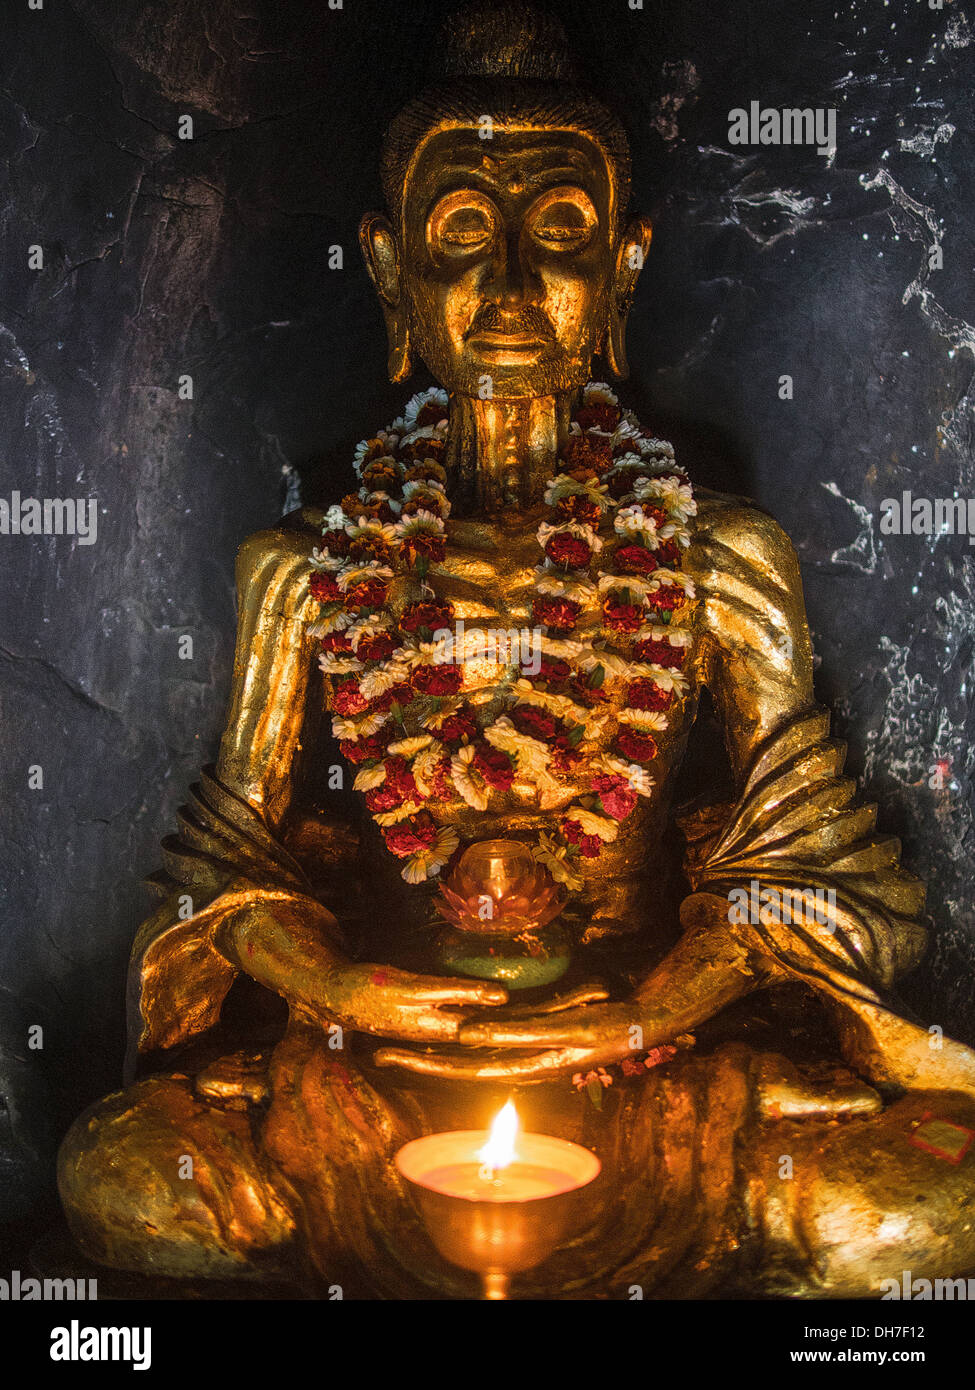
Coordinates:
[843,915]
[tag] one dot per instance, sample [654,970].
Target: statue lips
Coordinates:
[501,334]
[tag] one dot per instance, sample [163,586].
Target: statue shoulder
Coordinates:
[268,556]
[734,538]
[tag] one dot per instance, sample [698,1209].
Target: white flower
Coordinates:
[555,858]
[333,620]
[643,721]
[626,583]
[466,778]
[425,764]
[571,528]
[637,777]
[335,519]
[434,396]
[408,808]
[338,664]
[368,777]
[354,574]
[614,665]
[406,747]
[437,717]
[655,632]
[565,486]
[675,496]
[633,520]
[427,862]
[363,447]
[367,627]
[558,585]
[591,824]
[351,730]
[421,523]
[322,560]
[371,526]
[671,579]
[599,393]
[562,647]
[560,705]
[382,678]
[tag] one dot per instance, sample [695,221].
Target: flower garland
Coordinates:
[610,600]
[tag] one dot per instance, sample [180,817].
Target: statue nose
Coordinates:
[512,280]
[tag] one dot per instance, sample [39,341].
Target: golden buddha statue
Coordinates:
[718,1031]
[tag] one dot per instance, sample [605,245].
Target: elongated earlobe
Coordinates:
[634,245]
[381,255]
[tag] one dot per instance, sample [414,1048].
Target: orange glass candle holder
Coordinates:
[496,1220]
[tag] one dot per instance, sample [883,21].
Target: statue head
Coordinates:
[506,255]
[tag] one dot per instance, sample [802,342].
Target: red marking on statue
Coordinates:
[379,977]
[250,948]
[943,1138]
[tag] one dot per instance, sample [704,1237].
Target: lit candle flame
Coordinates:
[499,1150]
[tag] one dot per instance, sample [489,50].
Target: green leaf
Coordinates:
[575,734]
[596,677]
[594,1091]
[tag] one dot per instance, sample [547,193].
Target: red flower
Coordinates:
[668,553]
[634,559]
[336,642]
[529,719]
[578,507]
[553,670]
[358,751]
[655,512]
[346,698]
[400,694]
[621,481]
[430,414]
[376,648]
[370,548]
[336,542]
[660,654]
[385,798]
[371,593]
[410,836]
[644,694]
[437,680]
[639,748]
[669,598]
[458,726]
[324,588]
[622,617]
[428,615]
[598,415]
[615,796]
[572,552]
[423,545]
[564,759]
[558,613]
[589,845]
[494,766]
[440,783]
[587,451]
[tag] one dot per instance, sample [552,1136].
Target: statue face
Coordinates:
[508,255]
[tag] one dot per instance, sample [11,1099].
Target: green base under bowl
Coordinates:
[510,961]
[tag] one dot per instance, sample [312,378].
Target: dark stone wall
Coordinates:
[209,257]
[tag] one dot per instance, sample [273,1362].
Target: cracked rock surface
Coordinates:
[209,258]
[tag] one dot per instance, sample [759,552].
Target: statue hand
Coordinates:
[707,969]
[284,944]
[392,1003]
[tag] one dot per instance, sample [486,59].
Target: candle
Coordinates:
[496,1201]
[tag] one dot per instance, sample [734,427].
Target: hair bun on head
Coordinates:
[510,39]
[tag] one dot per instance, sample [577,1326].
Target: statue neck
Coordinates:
[502,453]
